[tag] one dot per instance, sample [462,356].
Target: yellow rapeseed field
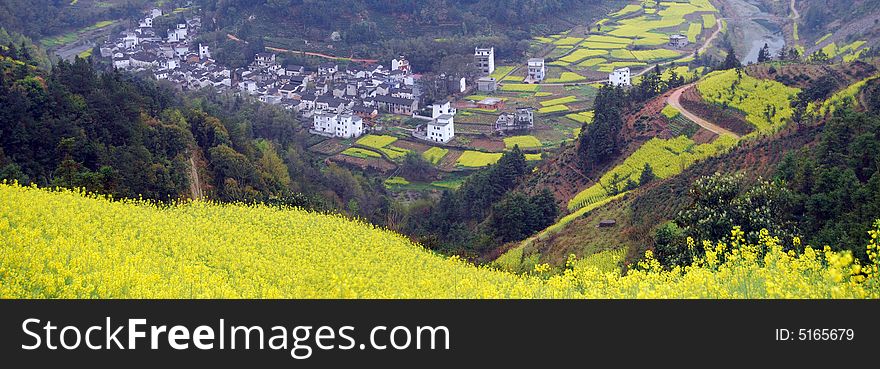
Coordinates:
[66,244]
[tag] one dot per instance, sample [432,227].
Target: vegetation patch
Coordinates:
[477,159]
[524,142]
[435,154]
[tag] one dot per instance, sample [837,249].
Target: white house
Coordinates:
[620,77]
[338,125]
[441,129]
[485,60]
[400,64]
[442,109]
[678,41]
[204,52]
[537,71]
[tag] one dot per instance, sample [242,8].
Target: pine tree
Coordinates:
[764,54]
[731,61]
[647,175]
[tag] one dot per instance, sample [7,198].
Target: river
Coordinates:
[754,27]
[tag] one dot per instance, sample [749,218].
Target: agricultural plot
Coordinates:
[524,142]
[666,158]
[561,100]
[566,77]
[581,54]
[766,103]
[628,29]
[694,31]
[435,154]
[670,112]
[582,117]
[376,142]
[518,87]
[553,109]
[501,71]
[357,152]
[477,159]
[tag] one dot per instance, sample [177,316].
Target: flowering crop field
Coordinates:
[524,142]
[361,153]
[666,158]
[435,154]
[67,244]
[477,159]
[766,103]
[376,141]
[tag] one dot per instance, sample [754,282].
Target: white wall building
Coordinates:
[620,77]
[338,125]
[485,60]
[442,109]
[441,129]
[537,71]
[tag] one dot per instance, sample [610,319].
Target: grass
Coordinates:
[524,142]
[435,154]
[477,159]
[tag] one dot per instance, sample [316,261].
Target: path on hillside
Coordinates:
[195,184]
[712,37]
[674,100]
[325,56]
[308,53]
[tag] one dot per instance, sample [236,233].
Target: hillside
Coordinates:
[70,245]
[763,98]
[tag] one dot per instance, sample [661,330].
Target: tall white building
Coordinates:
[442,109]
[338,125]
[485,60]
[537,70]
[620,77]
[441,129]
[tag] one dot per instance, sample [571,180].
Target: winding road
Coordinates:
[674,100]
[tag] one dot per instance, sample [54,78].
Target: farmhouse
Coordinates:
[264,59]
[537,71]
[337,125]
[491,103]
[485,60]
[678,41]
[487,84]
[620,77]
[441,129]
[396,105]
[522,119]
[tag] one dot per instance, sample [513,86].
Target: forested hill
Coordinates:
[118,135]
[425,31]
[41,18]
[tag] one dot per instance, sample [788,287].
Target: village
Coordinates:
[341,102]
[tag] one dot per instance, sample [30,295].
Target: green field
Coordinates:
[477,159]
[553,109]
[666,157]
[561,100]
[518,87]
[524,142]
[435,154]
[582,117]
[361,153]
[376,142]
[766,103]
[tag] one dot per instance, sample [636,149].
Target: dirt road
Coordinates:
[675,100]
